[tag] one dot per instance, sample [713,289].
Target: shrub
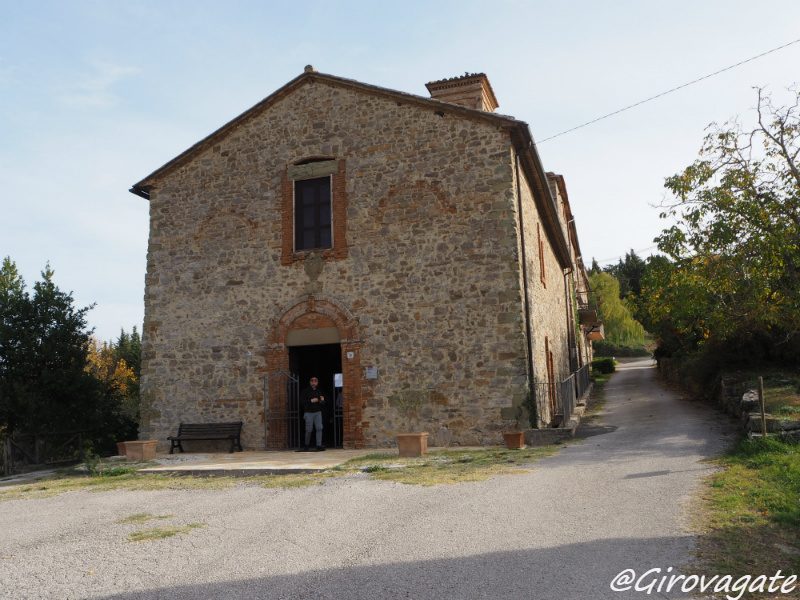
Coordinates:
[604,365]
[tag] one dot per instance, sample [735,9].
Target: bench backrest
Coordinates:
[210,429]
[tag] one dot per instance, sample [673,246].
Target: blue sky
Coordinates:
[95,95]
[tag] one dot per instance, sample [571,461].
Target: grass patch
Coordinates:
[437,467]
[781,390]
[599,380]
[298,480]
[783,402]
[752,513]
[158,533]
[115,471]
[143,518]
[596,400]
[69,481]
[448,466]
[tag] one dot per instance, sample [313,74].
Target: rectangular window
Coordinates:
[541,255]
[312,214]
[314,210]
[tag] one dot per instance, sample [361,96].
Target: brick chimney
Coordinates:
[472,90]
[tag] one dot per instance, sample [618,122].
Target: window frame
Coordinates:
[338,205]
[299,228]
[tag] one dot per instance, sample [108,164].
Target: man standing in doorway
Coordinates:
[312,402]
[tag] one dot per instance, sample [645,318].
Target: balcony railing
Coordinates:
[588,314]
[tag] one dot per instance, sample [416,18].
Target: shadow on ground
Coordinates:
[588,430]
[566,572]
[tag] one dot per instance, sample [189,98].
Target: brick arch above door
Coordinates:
[328,309]
[322,312]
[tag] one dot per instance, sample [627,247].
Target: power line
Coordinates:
[616,112]
[608,260]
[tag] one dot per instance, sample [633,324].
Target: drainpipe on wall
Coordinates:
[528,334]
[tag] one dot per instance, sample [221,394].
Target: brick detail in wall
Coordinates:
[313,320]
[339,212]
[353,434]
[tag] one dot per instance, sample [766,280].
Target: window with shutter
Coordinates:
[314,210]
[312,214]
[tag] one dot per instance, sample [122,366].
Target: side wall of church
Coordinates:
[547,297]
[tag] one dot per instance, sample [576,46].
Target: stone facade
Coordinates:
[423,284]
[577,277]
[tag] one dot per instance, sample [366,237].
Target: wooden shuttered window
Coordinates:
[312,214]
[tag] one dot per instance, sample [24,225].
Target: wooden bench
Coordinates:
[208,431]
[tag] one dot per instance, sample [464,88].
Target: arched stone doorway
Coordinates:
[318,322]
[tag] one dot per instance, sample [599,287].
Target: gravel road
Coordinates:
[615,501]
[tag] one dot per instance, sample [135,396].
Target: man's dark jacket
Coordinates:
[305,400]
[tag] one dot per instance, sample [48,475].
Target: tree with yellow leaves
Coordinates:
[107,363]
[102,364]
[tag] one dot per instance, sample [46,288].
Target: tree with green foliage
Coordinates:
[43,382]
[50,380]
[674,306]
[11,282]
[629,274]
[621,329]
[128,347]
[735,247]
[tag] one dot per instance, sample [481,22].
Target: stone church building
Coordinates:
[382,241]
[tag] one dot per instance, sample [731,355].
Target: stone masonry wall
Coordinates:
[582,345]
[548,309]
[430,274]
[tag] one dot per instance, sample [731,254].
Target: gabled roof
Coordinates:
[519,130]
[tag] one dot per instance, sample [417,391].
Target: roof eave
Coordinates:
[532,163]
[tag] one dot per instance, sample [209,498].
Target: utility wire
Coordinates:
[613,258]
[616,112]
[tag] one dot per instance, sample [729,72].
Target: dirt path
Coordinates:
[612,502]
